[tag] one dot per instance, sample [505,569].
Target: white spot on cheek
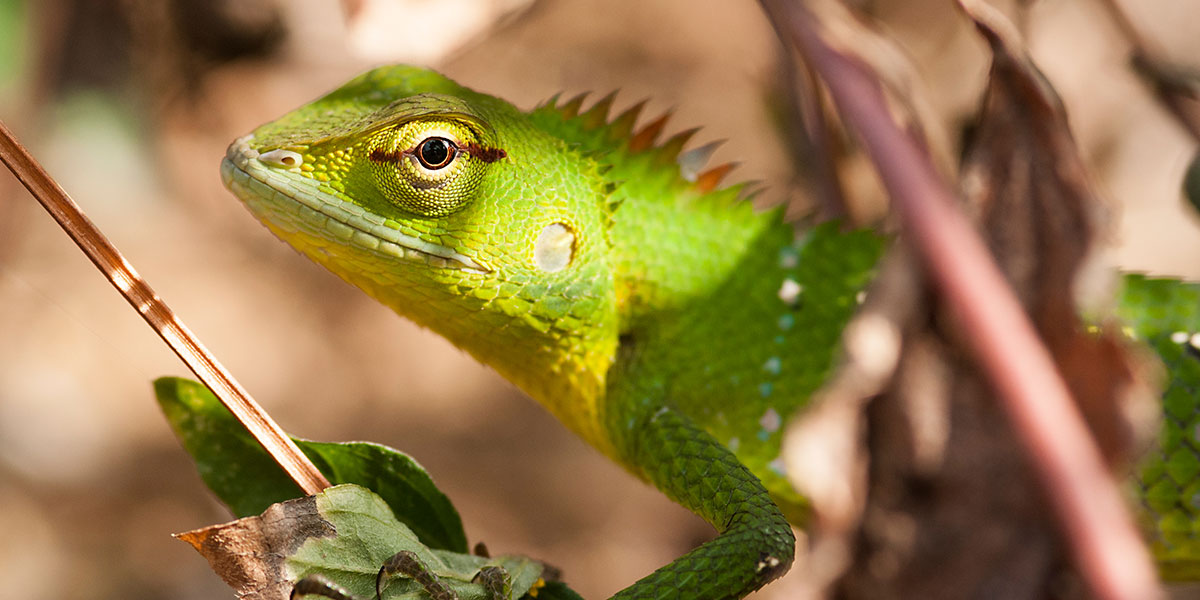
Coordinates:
[1179,337]
[1194,341]
[554,247]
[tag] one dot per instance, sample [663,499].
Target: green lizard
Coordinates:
[666,322]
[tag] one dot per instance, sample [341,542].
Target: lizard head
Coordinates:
[452,208]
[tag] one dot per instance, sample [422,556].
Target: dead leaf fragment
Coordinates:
[1027,186]
[249,554]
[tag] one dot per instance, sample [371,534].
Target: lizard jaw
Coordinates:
[267,188]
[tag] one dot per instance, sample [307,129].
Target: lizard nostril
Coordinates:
[281,158]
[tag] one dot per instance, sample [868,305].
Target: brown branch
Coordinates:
[157,314]
[1098,530]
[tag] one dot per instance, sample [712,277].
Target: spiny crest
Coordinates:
[597,135]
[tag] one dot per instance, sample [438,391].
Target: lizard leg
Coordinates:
[319,585]
[410,565]
[755,543]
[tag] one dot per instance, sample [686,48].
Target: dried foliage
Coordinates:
[932,493]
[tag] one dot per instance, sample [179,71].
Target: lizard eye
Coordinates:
[429,166]
[436,153]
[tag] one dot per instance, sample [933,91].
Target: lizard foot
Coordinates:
[319,585]
[407,563]
[496,581]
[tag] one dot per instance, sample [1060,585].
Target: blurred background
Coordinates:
[131,103]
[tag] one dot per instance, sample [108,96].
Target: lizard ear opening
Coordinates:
[427,166]
[554,248]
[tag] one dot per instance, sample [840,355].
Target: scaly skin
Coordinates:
[670,325]
[1165,315]
[568,252]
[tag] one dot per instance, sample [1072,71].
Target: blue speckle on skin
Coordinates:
[764,389]
[779,339]
[777,467]
[789,257]
[763,435]
[786,322]
[773,365]
[802,241]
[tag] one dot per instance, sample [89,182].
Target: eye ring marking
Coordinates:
[435,153]
[483,153]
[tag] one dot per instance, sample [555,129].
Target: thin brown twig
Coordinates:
[1099,532]
[161,318]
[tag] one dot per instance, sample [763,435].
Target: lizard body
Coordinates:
[561,249]
[668,323]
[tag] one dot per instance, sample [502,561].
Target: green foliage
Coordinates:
[245,478]
[557,590]
[354,560]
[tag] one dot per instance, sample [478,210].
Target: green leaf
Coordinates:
[557,590]
[368,535]
[344,534]
[245,478]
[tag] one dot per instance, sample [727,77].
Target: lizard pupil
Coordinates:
[435,152]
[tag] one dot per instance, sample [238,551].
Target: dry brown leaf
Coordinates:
[249,554]
[951,508]
[1028,187]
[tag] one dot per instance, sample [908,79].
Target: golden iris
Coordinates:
[425,165]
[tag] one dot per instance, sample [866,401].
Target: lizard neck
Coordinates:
[561,361]
[554,338]
[567,376]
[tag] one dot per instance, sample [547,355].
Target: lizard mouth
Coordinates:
[278,194]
